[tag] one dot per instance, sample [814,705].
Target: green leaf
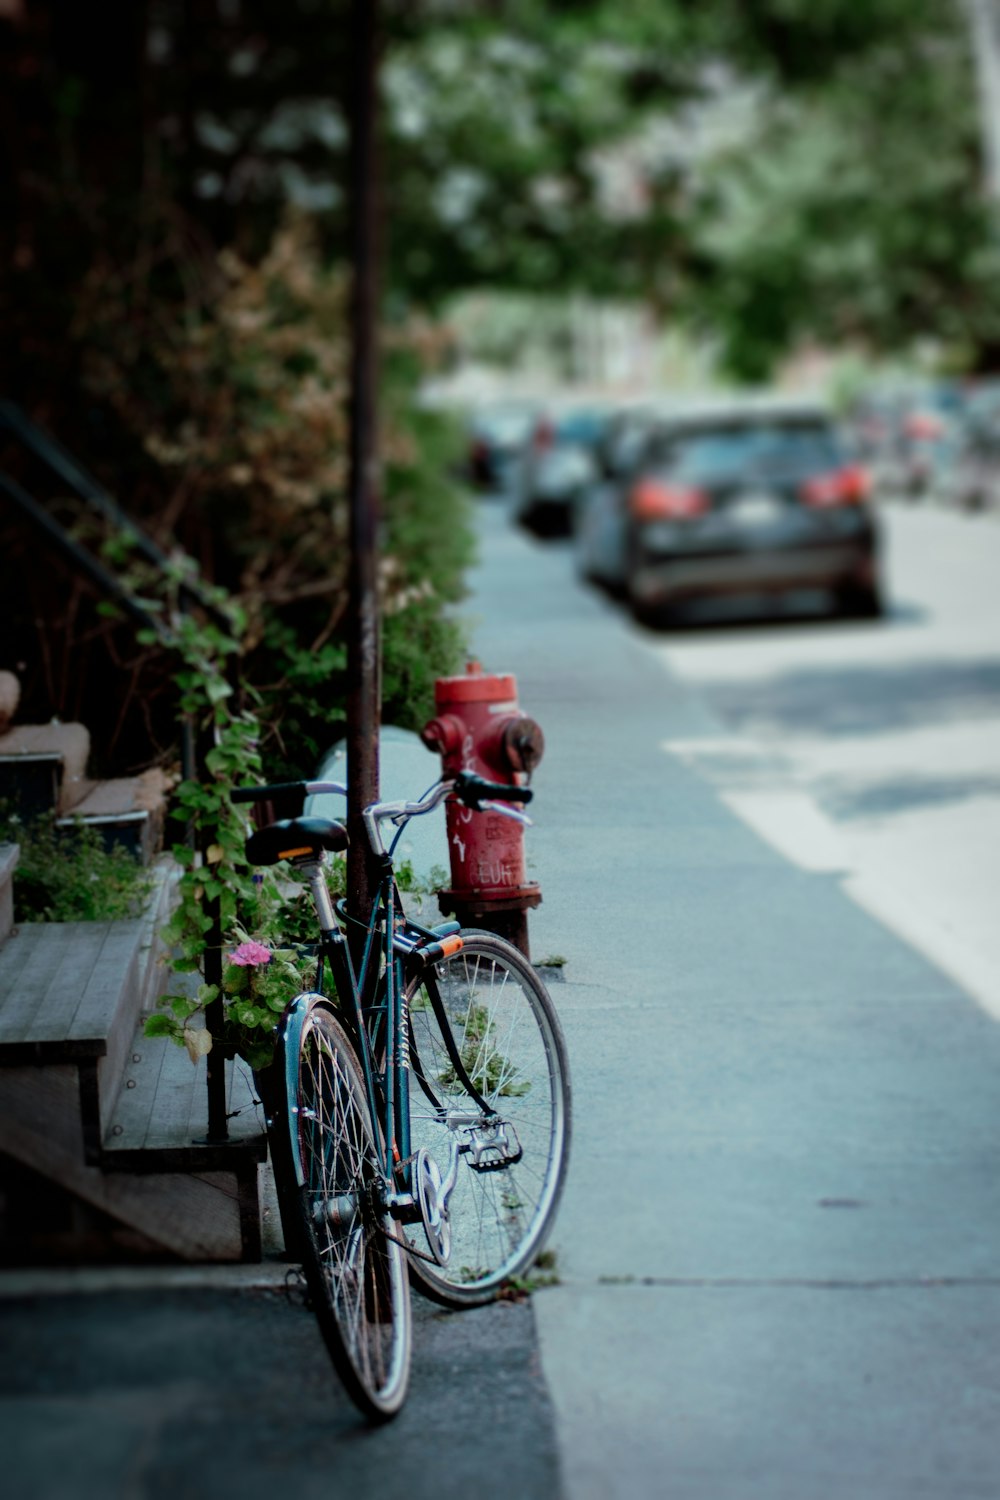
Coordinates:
[158,1025]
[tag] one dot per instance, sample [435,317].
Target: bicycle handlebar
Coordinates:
[474,791]
[279,788]
[471,790]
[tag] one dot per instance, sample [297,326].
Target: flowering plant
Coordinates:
[258,981]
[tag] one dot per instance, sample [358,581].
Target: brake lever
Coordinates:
[507,812]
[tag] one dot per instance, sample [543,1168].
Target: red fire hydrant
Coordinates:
[479,727]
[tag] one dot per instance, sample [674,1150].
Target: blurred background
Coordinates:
[597,220]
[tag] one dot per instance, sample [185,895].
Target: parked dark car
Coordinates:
[499,436]
[746,498]
[562,462]
[600,528]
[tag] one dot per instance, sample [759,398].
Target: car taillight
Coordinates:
[652,501]
[924,425]
[842,487]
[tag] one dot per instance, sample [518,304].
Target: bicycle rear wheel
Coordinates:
[354,1269]
[512,1156]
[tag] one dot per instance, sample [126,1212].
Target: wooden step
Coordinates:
[72,995]
[158,1126]
[102,1113]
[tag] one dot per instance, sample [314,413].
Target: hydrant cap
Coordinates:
[476,686]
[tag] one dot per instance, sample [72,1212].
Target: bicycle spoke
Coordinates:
[354,1271]
[507,1037]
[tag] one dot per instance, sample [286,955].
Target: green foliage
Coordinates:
[852,213]
[543,1272]
[505,126]
[800,170]
[241,408]
[69,876]
[427,542]
[216,892]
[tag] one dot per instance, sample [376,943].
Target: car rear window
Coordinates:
[729,452]
[586,427]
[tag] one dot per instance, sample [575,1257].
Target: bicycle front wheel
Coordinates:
[509,1137]
[354,1269]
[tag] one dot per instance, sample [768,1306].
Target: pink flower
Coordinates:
[250,954]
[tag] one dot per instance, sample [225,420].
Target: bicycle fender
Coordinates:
[291,1042]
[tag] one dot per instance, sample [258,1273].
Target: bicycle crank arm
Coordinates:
[433,1204]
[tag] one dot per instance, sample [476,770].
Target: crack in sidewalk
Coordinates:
[822,1284]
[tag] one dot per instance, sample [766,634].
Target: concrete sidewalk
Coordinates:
[778,1244]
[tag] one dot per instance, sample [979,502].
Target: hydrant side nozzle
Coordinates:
[523,744]
[444,734]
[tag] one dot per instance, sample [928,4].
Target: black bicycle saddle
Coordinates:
[295,838]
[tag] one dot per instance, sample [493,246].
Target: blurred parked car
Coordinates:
[907,435]
[561,463]
[752,496]
[600,530]
[928,443]
[973,482]
[498,439]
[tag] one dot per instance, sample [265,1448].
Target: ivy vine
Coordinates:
[219,899]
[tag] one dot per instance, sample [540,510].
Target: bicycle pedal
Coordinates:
[496,1164]
[496,1154]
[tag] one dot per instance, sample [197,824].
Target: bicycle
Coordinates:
[455,1180]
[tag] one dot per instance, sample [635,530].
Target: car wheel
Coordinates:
[860,601]
[655,616]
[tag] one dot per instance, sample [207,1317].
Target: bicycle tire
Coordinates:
[355,1270]
[511,1044]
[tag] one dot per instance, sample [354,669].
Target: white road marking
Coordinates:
[908,813]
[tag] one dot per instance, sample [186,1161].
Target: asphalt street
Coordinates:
[140,1388]
[776,1254]
[873,752]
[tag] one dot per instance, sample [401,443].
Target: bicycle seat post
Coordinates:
[313,870]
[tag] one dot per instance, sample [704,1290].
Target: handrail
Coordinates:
[82,559]
[60,462]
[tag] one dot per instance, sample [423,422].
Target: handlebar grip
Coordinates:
[267,793]
[471,790]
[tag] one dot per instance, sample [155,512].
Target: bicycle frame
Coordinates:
[370,1007]
[373,993]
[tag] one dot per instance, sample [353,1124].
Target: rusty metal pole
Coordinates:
[363,654]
